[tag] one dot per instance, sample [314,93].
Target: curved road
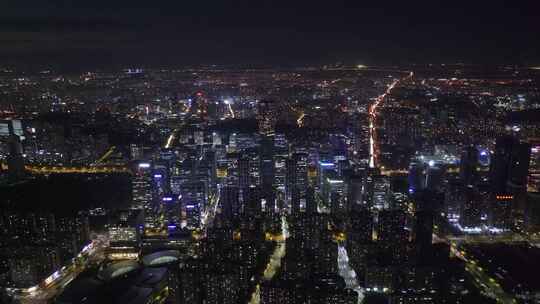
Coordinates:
[347,272]
[56,282]
[275,260]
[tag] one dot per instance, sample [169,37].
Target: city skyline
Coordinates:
[269,152]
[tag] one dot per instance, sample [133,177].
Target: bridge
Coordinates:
[50,169]
[98,167]
[39,169]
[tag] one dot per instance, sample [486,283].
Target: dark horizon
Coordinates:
[120,33]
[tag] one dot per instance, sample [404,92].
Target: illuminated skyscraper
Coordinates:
[136,151]
[533,182]
[296,180]
[15,158]
[267,167]
[199,106]
[243,173]
[141,185]
[334,193]
[125,234]
[193,199]
[267,116]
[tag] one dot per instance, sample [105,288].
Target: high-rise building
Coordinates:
[124,233]
[222,287]
[199,106]
[391,227]
[267,167]
[243,173]
[267,117]
[519,166]
[510,164]
[501,212]
[468,165]
[533,183]
[15,159]
[141,185]
[380,191]
[136,151]
[311,203]
[426,205]
[191,281]
[230,202]
[193,197]
[417,177]
[532,214]
[508,179]
[471,208]
[360,226]
[29,265]
[296,179]
[252,198]
[324,168]
[209,164]
[356,189]
[434,177]
[334,193]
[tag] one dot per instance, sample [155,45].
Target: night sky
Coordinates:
[75,34]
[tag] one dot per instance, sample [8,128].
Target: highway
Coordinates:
[488,239]
[56,282]
[274,264]
[231,110]
[345,269]
[301,116]
[488,285]
[208,215]
[300,120]
[105,156]
[373,145]
[170,139]
[347,272]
